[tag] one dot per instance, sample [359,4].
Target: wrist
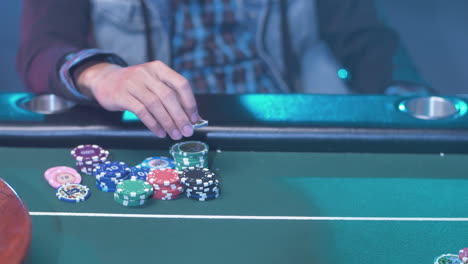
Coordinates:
[88,79]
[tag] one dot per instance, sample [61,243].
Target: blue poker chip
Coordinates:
[115,180]
[106,188]
[73,192]
[156,163]
[139,172]
[111,170]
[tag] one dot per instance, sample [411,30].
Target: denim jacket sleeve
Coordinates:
[361,43]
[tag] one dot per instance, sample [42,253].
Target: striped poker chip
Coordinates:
[111,169]
[168,187]
[83,153]
[73,193]
[448,259]
[155,163]
[197,176]
[463,255]
[163,177]
[134,188]
[202,198]
[57,176]
[203,187]
[200,123]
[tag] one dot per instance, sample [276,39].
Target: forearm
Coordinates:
[51,29]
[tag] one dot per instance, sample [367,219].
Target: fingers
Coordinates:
[154,105]
[179,84]
[145,116]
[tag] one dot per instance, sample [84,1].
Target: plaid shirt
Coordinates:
[210,55]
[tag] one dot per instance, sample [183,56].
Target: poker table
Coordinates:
[304,178]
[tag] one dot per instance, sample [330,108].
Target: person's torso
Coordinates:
[119,27]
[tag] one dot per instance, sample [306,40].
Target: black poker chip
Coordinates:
[200,177]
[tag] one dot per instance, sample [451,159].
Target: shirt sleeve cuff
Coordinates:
[73,60]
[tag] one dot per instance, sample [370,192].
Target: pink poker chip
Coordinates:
[463,255]
[57,176]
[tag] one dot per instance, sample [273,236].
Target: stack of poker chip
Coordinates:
[73,192]
[139,172]
[166,184]
[57,176]
[155,163]
[88,156]
[109,174]
[133,192]
[461,258]
[190,154]
[201,184]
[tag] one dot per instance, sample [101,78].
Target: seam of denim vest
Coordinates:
[261,49]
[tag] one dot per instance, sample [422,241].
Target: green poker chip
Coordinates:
[133,189]
[190,154]
[123,202]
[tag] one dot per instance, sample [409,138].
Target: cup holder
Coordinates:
[431,108]
[47,104]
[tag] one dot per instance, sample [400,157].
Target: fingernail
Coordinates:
[188,131]
[176,134]
[194,117]
[161,133]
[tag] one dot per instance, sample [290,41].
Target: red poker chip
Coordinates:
[170,187]
[169,192]
[165,196]
[163,177]
[178,190]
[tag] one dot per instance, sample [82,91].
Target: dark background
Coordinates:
[434,31]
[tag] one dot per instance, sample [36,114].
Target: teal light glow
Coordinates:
[402,107]
[343,74]
[461,107]
[12,110]
[129,117]
[282,108]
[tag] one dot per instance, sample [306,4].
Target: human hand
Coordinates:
[159,96]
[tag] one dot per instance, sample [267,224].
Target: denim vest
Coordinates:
[119,27]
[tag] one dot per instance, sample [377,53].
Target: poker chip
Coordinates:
[463,255]
[134,188]
[201,184]
[158,163]
[200,123]
[106,187]
[89,156]
[166,196]
[139,172]
[166,184]
[190,154]
[112,169]
[137,202]
[73,192]
[448,259]
[163,177]
[202,198]
[197,176]
[169,187]
[57,176]
[109,174]
[88,152]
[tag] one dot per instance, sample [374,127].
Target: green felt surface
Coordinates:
[258,184]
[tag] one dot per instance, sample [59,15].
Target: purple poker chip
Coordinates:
[86,153]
